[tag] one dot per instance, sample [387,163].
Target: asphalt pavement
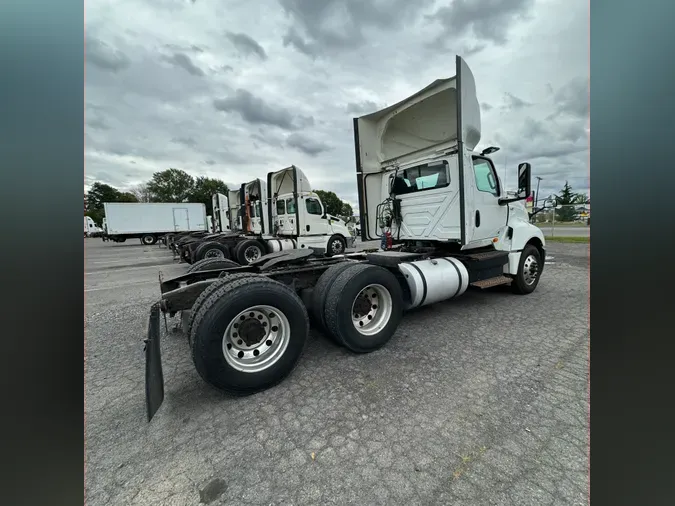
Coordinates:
[478,401]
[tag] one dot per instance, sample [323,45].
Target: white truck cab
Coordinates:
[297,212]
[420,180]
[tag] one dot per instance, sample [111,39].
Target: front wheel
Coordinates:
[248,335]
[530,267]
[336,245]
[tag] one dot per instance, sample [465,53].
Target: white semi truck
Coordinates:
[268,223]
[150,221]
[447,222]
[90,228]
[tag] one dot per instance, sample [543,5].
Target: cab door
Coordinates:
[315,220]
[487,218]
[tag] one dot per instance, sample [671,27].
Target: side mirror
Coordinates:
[524,180]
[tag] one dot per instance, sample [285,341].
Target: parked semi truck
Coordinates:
[149,221]
[271,222]
[448,223]
[90,228]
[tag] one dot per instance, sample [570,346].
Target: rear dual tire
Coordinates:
[362,306]
[248,333]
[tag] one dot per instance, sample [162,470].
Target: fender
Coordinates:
[523,234]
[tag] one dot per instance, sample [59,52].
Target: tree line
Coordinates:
[175,185]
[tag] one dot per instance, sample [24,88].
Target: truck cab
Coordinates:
[296,211]
[421,181]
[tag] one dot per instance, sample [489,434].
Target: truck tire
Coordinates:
[206,264]
[320,291]
[249,250]
[211,249]
[364,307]
[249,335]
[336,245]
[148,239]
[189,321]
[530,268]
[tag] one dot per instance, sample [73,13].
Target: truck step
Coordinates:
[489,283]
[485,255]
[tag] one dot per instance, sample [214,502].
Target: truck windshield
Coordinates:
[290,205]
[281,207]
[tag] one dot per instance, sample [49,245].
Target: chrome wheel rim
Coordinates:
[214,253]
[371,309]
[336,246]
[252,253]
[530,270]
[256,339]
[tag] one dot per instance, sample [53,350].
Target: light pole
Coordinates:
[536,197]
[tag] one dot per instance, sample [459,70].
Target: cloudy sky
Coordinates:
[235,88]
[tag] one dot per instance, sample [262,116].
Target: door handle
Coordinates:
[307,228]
[477,218]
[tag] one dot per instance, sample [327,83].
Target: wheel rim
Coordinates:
[214,253]
[336,246]
[371,310]
[530,270]
[252,253]
[256,339]
[147,240]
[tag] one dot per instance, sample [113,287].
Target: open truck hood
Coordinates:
[435,117]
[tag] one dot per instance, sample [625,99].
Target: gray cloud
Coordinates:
[338,25]
[294,39]
[246,45]
[98,123]
[513,102]
[488,20]
[363,107]
[533,128]
[486,107]
[185,141]
[104,56]
[183,61]
[573,98]
[306,145]
[256,111]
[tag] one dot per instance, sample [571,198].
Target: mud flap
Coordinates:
[154,379]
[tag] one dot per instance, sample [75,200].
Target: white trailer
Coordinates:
[149,221]
[448,225]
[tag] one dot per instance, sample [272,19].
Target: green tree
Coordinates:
[204,188]
[141,193]
[331,202]
[171,185]
[127,197]
[347,211]
[569,200]
[98,194]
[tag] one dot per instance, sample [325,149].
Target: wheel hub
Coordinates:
[256,338]
[372,309]
[251,331]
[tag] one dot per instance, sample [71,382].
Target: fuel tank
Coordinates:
[275,245]
[434,280]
